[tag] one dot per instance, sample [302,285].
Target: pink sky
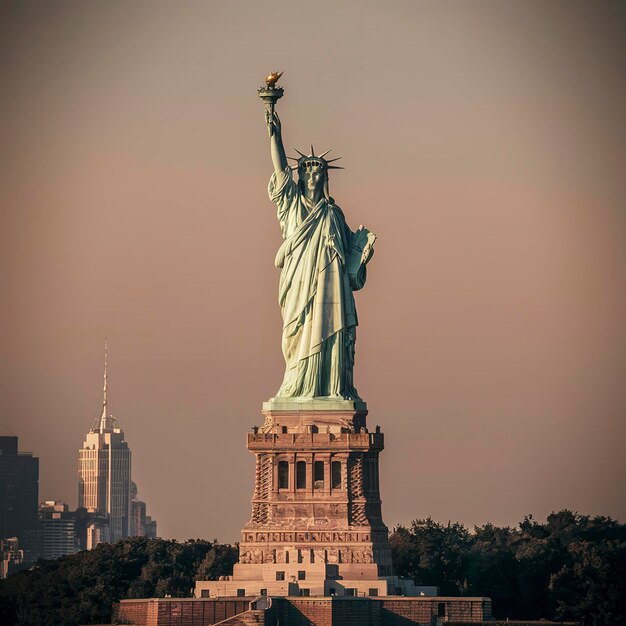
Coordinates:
[485,145]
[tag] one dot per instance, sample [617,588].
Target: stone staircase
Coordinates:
[247,618]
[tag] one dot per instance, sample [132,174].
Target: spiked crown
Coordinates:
[312,161]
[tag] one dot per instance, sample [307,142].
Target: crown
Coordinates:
[312,161]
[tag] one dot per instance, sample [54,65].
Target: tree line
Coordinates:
[572,567]
[81,588]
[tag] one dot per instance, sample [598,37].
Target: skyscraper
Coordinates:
[19,493]
[104,464]
[141,525]
[57,530]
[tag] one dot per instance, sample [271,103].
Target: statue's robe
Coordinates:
[315,295]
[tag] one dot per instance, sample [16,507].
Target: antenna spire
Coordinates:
[103,416]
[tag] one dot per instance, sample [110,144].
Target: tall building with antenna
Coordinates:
[104,470]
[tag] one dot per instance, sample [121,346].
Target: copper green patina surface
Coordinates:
[322,262]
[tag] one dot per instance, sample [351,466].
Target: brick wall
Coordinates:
[327,611]
[381,611]
[133,613]
[179,611]
[397,611]
[297,612]
[512,623]
[359,612]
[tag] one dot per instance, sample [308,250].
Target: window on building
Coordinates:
[301,475]
[204,593]
[350,591]
[318,474]
[373,591]
[263,592]
[300,559]
[305,592]
[284,430]
[312,555]
[301,575]
[280,575]
[286,556]
[335,474]
[241,593]
[441,609]
[283,475]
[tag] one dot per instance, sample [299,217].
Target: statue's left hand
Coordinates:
[364,240]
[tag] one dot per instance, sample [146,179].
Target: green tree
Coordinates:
[591,587]
[218,561]
[81,589]
[432,553]
[493,570]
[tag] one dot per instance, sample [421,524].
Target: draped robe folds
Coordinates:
[315,296]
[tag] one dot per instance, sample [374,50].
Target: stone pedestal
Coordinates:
[316,526]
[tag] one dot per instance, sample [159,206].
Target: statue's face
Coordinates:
[313,179]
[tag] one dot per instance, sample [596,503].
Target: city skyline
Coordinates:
[484,147]
[108,507]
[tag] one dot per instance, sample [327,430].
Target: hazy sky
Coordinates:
[485,145]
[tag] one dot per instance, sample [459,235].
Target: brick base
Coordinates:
[314,611]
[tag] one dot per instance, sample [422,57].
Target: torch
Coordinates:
[270,93]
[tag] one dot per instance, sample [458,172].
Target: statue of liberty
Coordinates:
[322,262]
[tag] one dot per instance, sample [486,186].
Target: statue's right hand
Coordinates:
[276,141]
[275,121]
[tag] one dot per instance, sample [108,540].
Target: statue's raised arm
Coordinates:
[279,158]
[271,93]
